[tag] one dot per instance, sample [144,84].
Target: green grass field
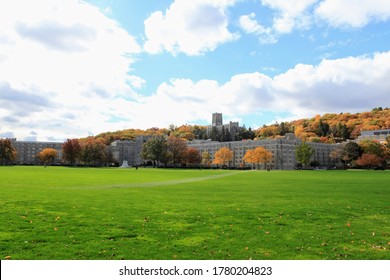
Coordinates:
[86,213]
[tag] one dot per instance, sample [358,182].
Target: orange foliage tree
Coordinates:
[258,155]
[193,156]
[47,156]
[369,161]
[223,156]
[337,126]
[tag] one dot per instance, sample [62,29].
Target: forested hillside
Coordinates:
[330,127]
[327,128]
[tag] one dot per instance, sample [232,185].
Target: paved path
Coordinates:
[165,183]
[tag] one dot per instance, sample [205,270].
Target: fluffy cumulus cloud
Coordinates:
[350,84]
[190,27]
[62,64]
[289,15]
[353,13]
[250,25]
[302,14]
[65,68]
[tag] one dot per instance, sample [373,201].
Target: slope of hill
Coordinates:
[327,128]
[330,127]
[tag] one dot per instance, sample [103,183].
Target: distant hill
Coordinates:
[328,128]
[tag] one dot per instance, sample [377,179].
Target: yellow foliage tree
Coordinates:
[223,156]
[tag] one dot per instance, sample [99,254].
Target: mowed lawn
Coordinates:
[87,213]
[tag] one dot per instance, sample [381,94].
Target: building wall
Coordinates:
[283,150]
[129,150]
[27,151]
[217,119]
[379,135]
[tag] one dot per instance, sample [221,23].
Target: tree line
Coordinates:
[173,150]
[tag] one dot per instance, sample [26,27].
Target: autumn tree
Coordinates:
[374,154]
[47,156]
[258,155]
[337,126]
[304,152]
[156,150]
[249,156]
[176,149]
[7,151]
[71,150]
[184,131]
[369,161]
[223,156]
[373,147]
[93,150]
[206,158]
[193,156]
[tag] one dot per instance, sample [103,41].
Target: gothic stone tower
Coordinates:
[217,119]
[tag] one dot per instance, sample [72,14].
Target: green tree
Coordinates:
[323,128]
[215,135]
[283,129]
[303,153]
[156,150]
[351,152]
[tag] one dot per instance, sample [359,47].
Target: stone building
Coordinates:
[128,150]
[216,119]
[27,151]
[379,135]
[283,150]
[217,124]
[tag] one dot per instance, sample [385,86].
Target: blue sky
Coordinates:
[77,68]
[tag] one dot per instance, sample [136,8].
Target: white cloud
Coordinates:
[353,13]
[302,14]
[289,15]
[350,84]
[250,25]
[190,27]
[64,72]
[61,64]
